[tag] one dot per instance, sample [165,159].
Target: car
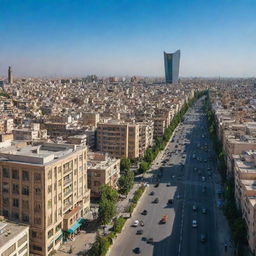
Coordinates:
[156,200]
[157,185]
[142,223]
[168,184]
[150,240]
[164,219]
[202,238]
[194,224]
[135,223]
[139,232]
[170,201]
[137,250]
[204,189]
[203,178]
[145,212]
[151,193]
[194,207]
[204,210]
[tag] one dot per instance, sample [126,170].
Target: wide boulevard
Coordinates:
[187,174]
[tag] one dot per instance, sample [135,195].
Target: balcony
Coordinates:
[67,182]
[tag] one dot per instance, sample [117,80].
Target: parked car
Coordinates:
[156,200]
[194,207]
[204,210]
[137,250]
[151,193]
[139,232]
[170,201]
[150,240]
[203,238]
[164,219]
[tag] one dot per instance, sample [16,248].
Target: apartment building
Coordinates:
[14,238]
[90,119]
[245,192]
[45,186]
[118,139]
[146,133]
[159,127]
[102,170]
[6,125]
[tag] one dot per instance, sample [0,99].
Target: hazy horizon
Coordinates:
[125,38]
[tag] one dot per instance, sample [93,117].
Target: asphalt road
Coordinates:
[184,184]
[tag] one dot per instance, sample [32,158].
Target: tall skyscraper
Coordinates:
[10,78]
[172,66]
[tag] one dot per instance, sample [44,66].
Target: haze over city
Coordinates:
[77,38]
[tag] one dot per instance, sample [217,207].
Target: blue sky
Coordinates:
[127,37]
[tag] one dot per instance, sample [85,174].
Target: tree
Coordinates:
[125,182]
[107,204]
[125,164]
[144,166]
[148,156]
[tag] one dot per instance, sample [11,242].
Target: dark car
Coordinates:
[170,201]
[139,232]
[156,185]
[137,250]
[203,238]
[150,240]
[156,200]
[145,212]
[151,193]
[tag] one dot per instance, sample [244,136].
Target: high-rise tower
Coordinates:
[10,78]
[172,66]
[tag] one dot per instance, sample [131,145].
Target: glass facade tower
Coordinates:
[172,66]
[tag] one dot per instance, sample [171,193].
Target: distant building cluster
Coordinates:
[61,139]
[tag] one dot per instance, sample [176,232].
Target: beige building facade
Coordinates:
[45,187]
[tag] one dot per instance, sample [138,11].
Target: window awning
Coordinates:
[77,224]
[59,236]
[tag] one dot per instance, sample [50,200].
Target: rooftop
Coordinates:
[40,154]
[9,230]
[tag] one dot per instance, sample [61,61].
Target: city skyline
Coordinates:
[127,38]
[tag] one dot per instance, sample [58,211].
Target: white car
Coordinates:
[194,224]
[136,223]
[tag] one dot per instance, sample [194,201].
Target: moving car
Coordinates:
[194,224]
[151,193]
[137,250]
[135,223]
[145,212]
[156,200]
[139,232]
[170,201]
[204,210]
[150,240]
[194,207]
[203,238]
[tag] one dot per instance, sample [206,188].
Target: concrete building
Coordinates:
[102,170]
[172,66]
[90,119]
[10,78]
[45,186]
[146,133]
[14,239]
[118,139]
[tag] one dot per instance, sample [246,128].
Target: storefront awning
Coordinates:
[77,224]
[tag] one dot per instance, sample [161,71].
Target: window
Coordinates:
[15,188]
[25,190]
[23,248]
[6,202]
[81,158]
[15,202]
[10,250]
[50,174]
[25,218]
[38,191]
[58,227]
[15,174]
[37,248]
[25,175]
[59,183]
[22,240]
[37,221]
[5,187]
[50,233]
[15,215]
[49,204]
[49,188]
[59,169]
[37,177]
[25,204]
[37,207]
[6,172]
[55,172]
[5,213]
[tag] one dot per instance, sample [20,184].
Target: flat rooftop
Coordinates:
[39,154]
[246,167]
[9,230]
